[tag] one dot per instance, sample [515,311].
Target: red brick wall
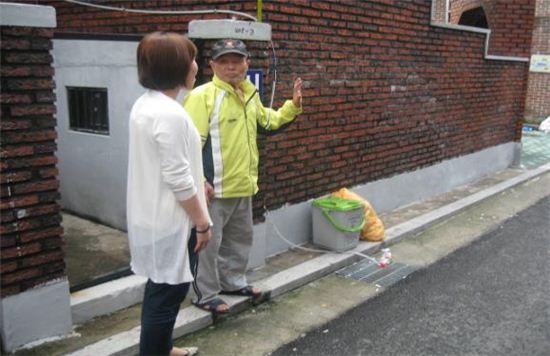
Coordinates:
[31,251]
[538,94]
[511,27]
[388,94]
[385,92]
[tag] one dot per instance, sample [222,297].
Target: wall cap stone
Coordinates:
[26,15]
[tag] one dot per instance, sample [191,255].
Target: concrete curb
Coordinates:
[419,223]
[191,319]
[107,297]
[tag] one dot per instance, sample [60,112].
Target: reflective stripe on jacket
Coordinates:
[227,125]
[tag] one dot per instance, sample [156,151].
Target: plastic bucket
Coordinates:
[337,223]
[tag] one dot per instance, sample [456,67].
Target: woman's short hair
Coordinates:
[164,60]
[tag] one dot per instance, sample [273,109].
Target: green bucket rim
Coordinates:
[329,204]
[335,203]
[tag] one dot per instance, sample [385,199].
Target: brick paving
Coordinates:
[535,149]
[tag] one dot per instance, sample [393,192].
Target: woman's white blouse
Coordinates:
[164,167]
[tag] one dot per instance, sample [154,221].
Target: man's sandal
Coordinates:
[247,291]
[212,306]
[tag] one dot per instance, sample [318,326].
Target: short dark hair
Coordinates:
[164,60]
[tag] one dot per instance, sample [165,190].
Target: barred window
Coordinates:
[88,110]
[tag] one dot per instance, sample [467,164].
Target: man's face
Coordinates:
[231,68]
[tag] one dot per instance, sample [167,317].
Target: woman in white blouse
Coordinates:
[168,221]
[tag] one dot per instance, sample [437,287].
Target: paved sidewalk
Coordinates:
[535,150]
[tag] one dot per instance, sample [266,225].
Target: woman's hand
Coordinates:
[208,191]
[297,92]
[199,217]
[203,238]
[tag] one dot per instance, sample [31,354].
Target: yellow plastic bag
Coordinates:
[374,227]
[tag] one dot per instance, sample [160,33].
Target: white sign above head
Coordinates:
[242,30]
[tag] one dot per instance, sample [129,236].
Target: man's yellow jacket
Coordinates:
[227,123]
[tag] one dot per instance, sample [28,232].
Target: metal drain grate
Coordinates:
[368,271]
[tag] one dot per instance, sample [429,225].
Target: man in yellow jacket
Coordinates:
[226,112]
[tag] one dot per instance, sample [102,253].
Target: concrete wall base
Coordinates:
[107,298]
[38,313]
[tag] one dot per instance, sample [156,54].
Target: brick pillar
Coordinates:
[35,300]
[538,94]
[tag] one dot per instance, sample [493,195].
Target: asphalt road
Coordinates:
[489,298]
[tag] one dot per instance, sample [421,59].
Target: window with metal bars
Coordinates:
[88,110]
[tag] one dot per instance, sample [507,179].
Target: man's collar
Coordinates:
[245,85]
[220,83]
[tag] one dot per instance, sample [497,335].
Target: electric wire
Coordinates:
[190,12]
[274,65]
[307,249]
[162,12]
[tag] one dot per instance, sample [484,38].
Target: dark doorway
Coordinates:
[474,18]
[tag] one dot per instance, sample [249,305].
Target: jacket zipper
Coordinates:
[248,137]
